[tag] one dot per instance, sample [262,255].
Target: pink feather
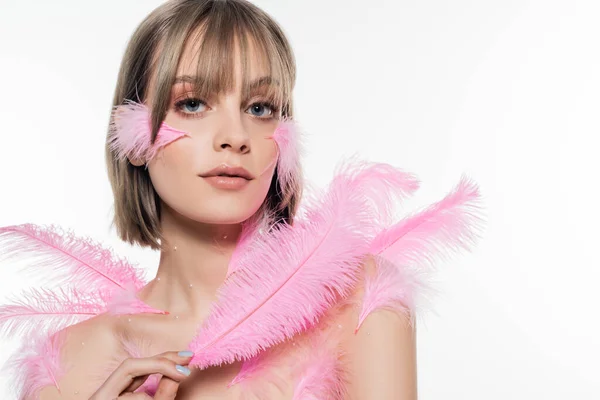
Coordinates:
[287,140]
[319,370]
[391,288]
[417,241]
[251,229]
[130,133]
[293,275]
[251,368]
[43,311]
[260,374]
[89,280]
[445,227]
[289,145]
[382,185]
[37,365]
[68,259]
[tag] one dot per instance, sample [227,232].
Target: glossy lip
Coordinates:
[229,171]
[227,182]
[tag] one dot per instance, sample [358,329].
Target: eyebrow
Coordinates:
[263,80]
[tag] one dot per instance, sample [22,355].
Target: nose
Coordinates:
[232,135]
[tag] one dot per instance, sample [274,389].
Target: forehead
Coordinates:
[226,60]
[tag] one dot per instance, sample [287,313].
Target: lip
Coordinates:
[230,171]
[228,177]
[227,182]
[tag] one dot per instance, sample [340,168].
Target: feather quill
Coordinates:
[293,275]
[417,243]
[130,133]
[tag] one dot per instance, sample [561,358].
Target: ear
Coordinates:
[138,162]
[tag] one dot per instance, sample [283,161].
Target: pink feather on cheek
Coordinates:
[130,133]
[289,147]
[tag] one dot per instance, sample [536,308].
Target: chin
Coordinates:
[223,212]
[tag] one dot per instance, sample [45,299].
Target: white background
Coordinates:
[505,91]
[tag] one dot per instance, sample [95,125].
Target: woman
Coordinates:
[217,198]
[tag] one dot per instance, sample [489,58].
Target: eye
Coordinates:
[190,106]
[262,110]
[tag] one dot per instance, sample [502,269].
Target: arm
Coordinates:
[88,349]
[382,359]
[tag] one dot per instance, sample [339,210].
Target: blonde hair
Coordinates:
[219,22]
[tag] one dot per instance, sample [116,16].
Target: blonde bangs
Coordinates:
[215,35]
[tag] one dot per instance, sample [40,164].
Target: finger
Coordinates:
[167,389]
[167,364]
[183,358]
[134,396]
[136,383]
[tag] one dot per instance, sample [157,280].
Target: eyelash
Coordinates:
[179,104]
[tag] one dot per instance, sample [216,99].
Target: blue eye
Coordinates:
[190,106]
[258,107]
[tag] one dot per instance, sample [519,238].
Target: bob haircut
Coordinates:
[153,53]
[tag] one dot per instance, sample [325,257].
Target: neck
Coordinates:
[192,266]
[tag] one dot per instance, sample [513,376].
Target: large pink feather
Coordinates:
[37,365]
[443,228]
[293,275]
[130,133]
[89,280]
[415,244]
[382,186]
[41,311]
[67,259]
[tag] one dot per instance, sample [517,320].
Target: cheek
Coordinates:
[265,157]
[172,170]
[266,160]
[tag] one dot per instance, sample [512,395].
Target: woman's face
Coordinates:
[223,131]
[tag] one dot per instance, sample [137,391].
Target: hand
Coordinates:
[132,373]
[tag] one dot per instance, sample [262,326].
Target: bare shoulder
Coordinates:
[381,355]
[89,350]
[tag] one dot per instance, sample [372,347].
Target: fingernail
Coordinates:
[186,353]
[184,370]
